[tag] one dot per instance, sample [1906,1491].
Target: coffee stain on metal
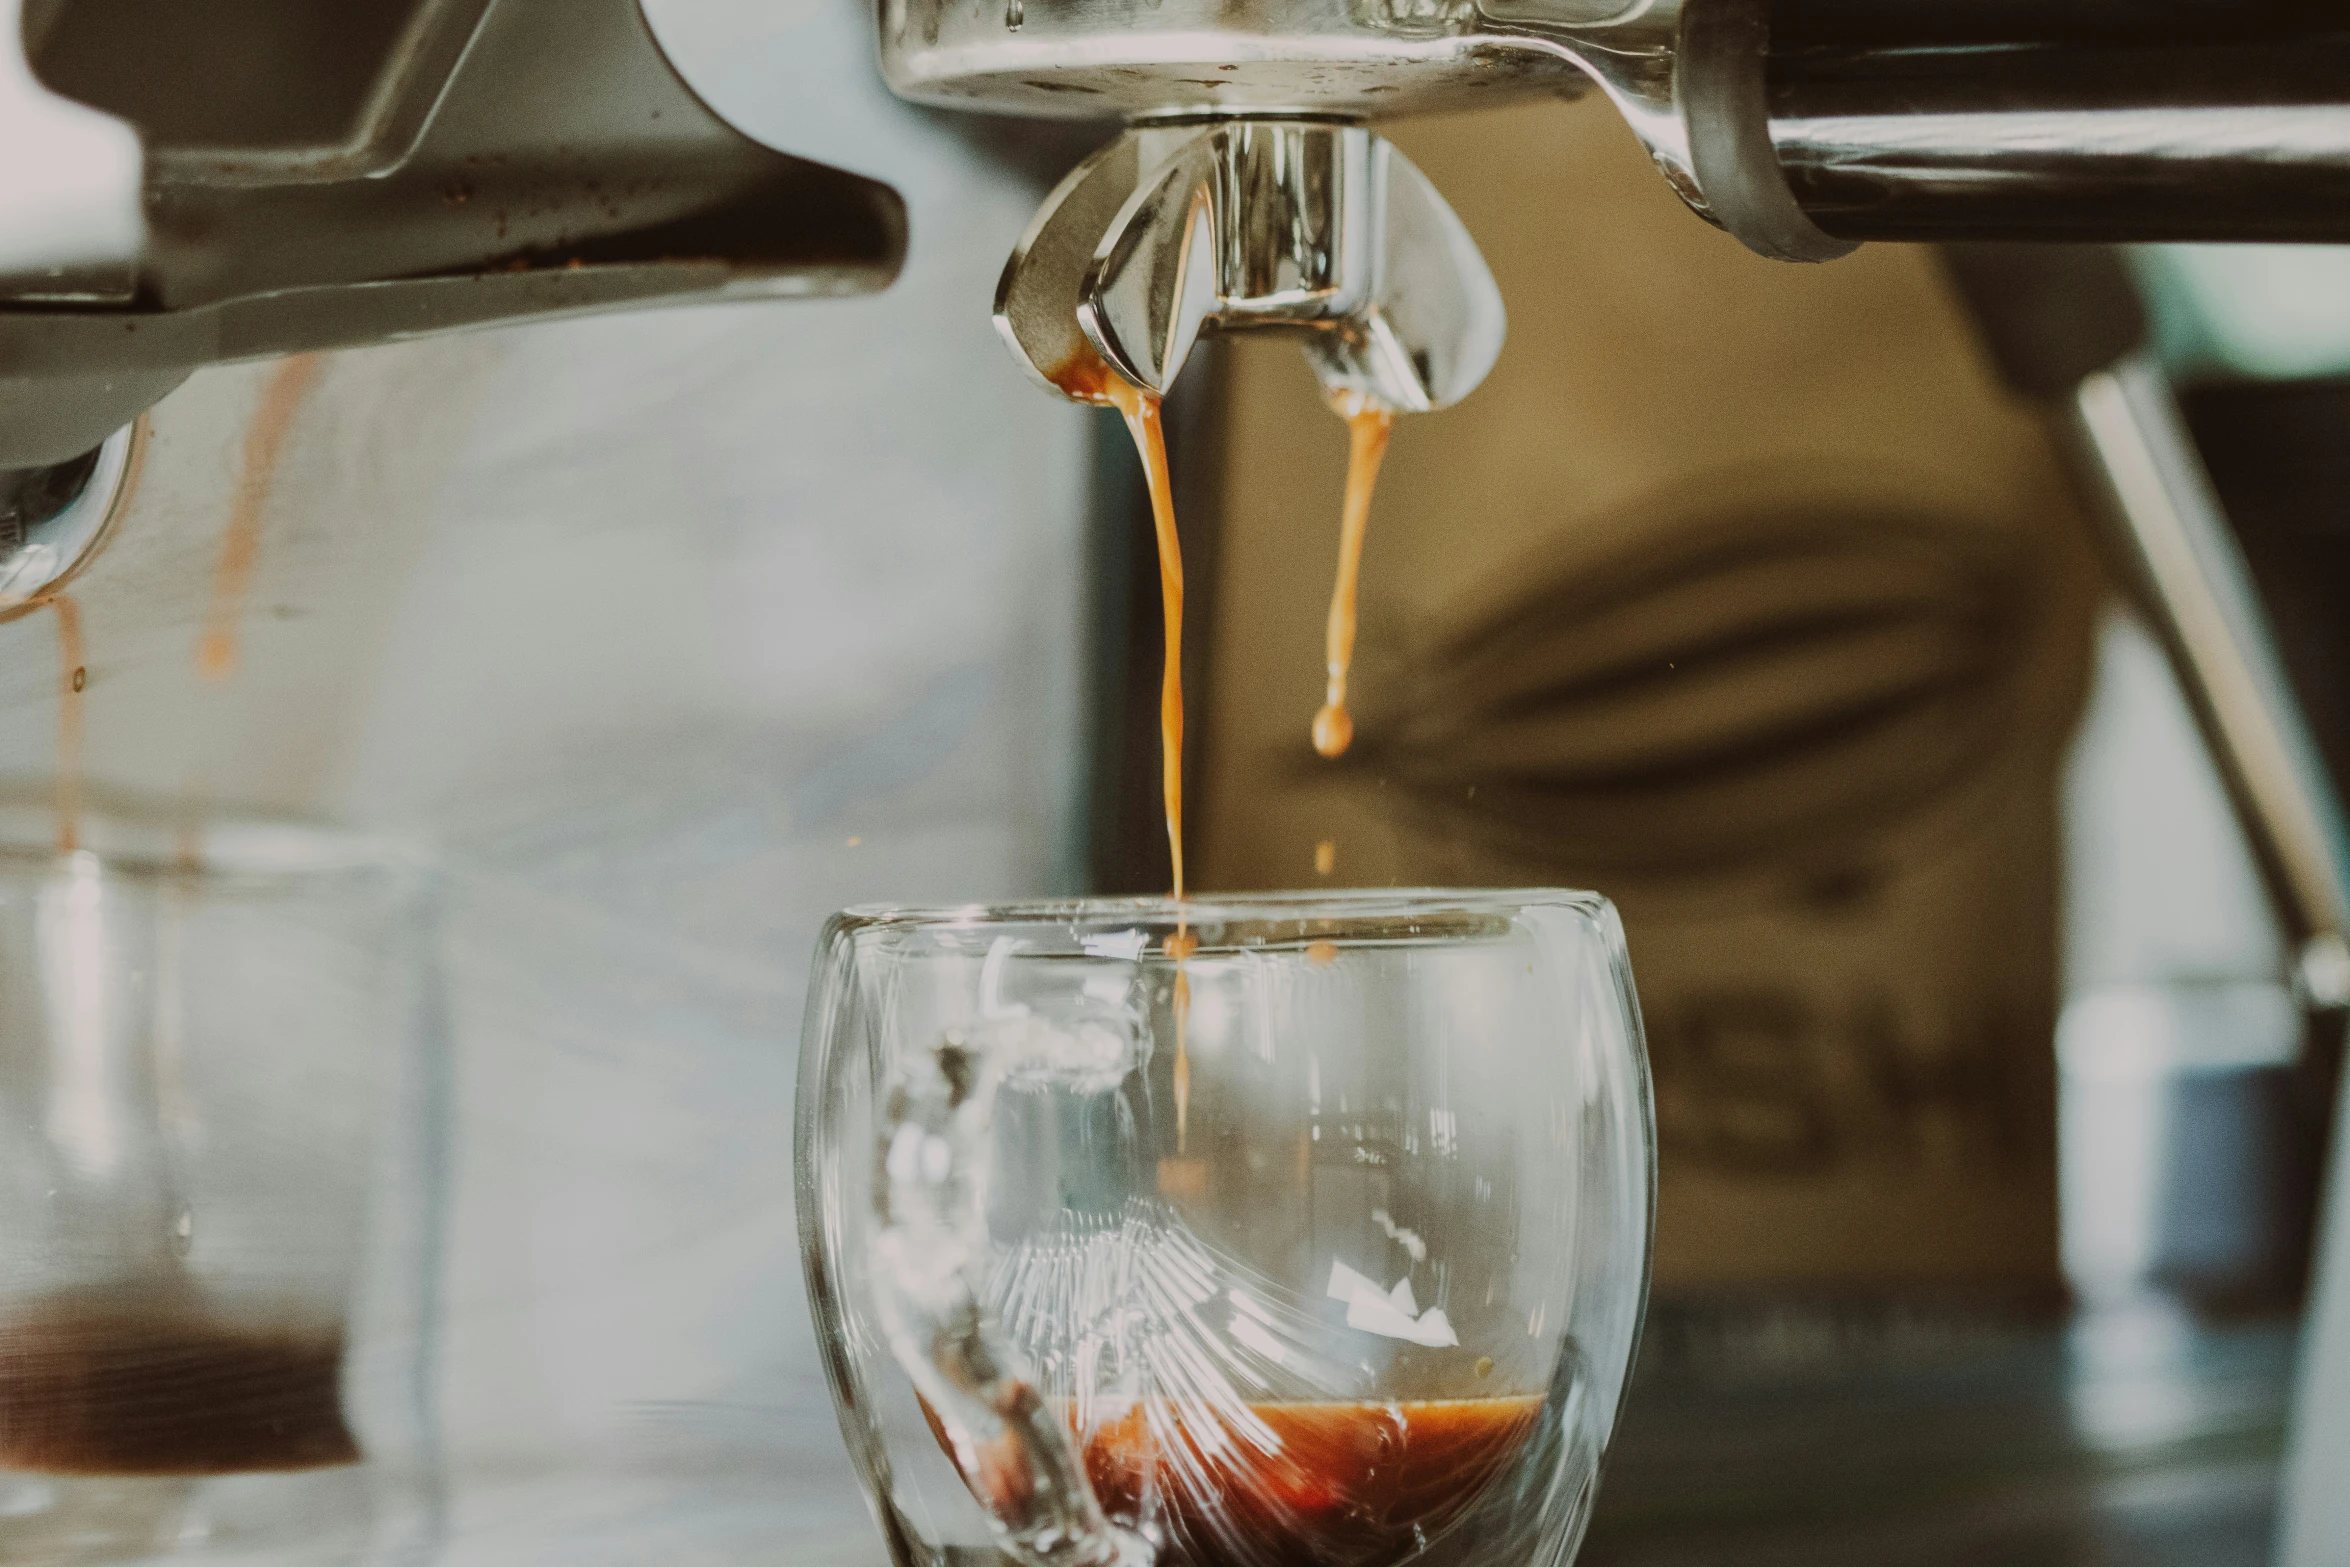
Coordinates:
[240,542]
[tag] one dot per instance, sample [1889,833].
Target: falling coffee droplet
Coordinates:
[1484,1365]
[1014,14]
[1325,857]
[1334,727]
[1368,426]
[81,678]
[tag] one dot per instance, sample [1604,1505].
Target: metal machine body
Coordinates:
[1801,126]
[245,184]
[1903,121]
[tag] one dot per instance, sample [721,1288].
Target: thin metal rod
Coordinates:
[1915,121]
[2200,592]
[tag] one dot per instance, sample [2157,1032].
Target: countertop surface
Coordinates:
[2136,1437]
[1789,1435]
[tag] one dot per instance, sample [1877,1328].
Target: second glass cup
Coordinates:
[221,1102]
[1228,1233]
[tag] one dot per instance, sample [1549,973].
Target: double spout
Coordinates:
[1313,227]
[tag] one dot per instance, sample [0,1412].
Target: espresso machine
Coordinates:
[1246,192]
[200,191]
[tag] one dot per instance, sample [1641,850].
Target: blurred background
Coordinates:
[1993,1088]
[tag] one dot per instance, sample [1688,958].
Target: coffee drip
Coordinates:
[1142,414]
[240,539]
[1368,425]
[1086,378]
[1316,229]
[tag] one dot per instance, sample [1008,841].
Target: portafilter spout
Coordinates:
[1316,227]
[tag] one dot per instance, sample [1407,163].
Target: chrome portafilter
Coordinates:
[1316,227]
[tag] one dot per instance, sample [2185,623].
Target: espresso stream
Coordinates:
[1141,411]
[1087,378]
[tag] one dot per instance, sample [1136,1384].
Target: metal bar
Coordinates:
[1915,121]
[2201,595]
[2199,589]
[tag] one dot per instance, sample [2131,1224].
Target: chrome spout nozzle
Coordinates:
[1312,227]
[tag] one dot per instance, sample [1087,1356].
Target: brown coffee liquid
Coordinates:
[1363,1485]
[72,676]
[240,541]
[102,1388]
[1368,426]
[1141,410]
[1088,378]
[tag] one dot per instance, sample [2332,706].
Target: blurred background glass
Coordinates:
[222,1201]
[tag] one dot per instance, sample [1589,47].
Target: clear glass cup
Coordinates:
[221,1111]
[1238,1232]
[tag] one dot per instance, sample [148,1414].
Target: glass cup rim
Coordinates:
[1341,905]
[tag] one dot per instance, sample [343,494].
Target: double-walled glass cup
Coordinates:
[220,1121]
[1246,1232]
